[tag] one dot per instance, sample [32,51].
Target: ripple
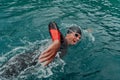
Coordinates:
[28,20]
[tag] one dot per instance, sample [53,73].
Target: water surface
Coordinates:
[23,25]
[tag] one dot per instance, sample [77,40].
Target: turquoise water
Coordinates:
[23,26]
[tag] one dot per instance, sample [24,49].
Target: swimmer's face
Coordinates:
[74,38]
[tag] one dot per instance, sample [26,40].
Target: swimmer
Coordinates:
[20,62]
[59,42]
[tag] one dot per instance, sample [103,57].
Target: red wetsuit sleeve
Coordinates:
[55,34]
[54,31]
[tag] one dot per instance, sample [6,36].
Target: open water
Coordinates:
[24,27]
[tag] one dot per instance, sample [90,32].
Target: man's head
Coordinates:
[73,35]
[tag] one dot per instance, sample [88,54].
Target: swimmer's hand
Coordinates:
[89,30]
[49,54]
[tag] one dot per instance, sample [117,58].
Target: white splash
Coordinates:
[38,70]
[88,33]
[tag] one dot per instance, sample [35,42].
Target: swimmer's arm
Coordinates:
[54,31]
[49,54]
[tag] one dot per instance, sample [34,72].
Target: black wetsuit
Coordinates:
[21,61]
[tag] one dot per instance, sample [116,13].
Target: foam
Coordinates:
[37,70]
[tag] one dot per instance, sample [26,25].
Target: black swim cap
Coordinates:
[74,29]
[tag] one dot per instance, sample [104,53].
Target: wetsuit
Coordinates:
[21,61]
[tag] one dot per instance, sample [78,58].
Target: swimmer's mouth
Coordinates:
[74,41]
